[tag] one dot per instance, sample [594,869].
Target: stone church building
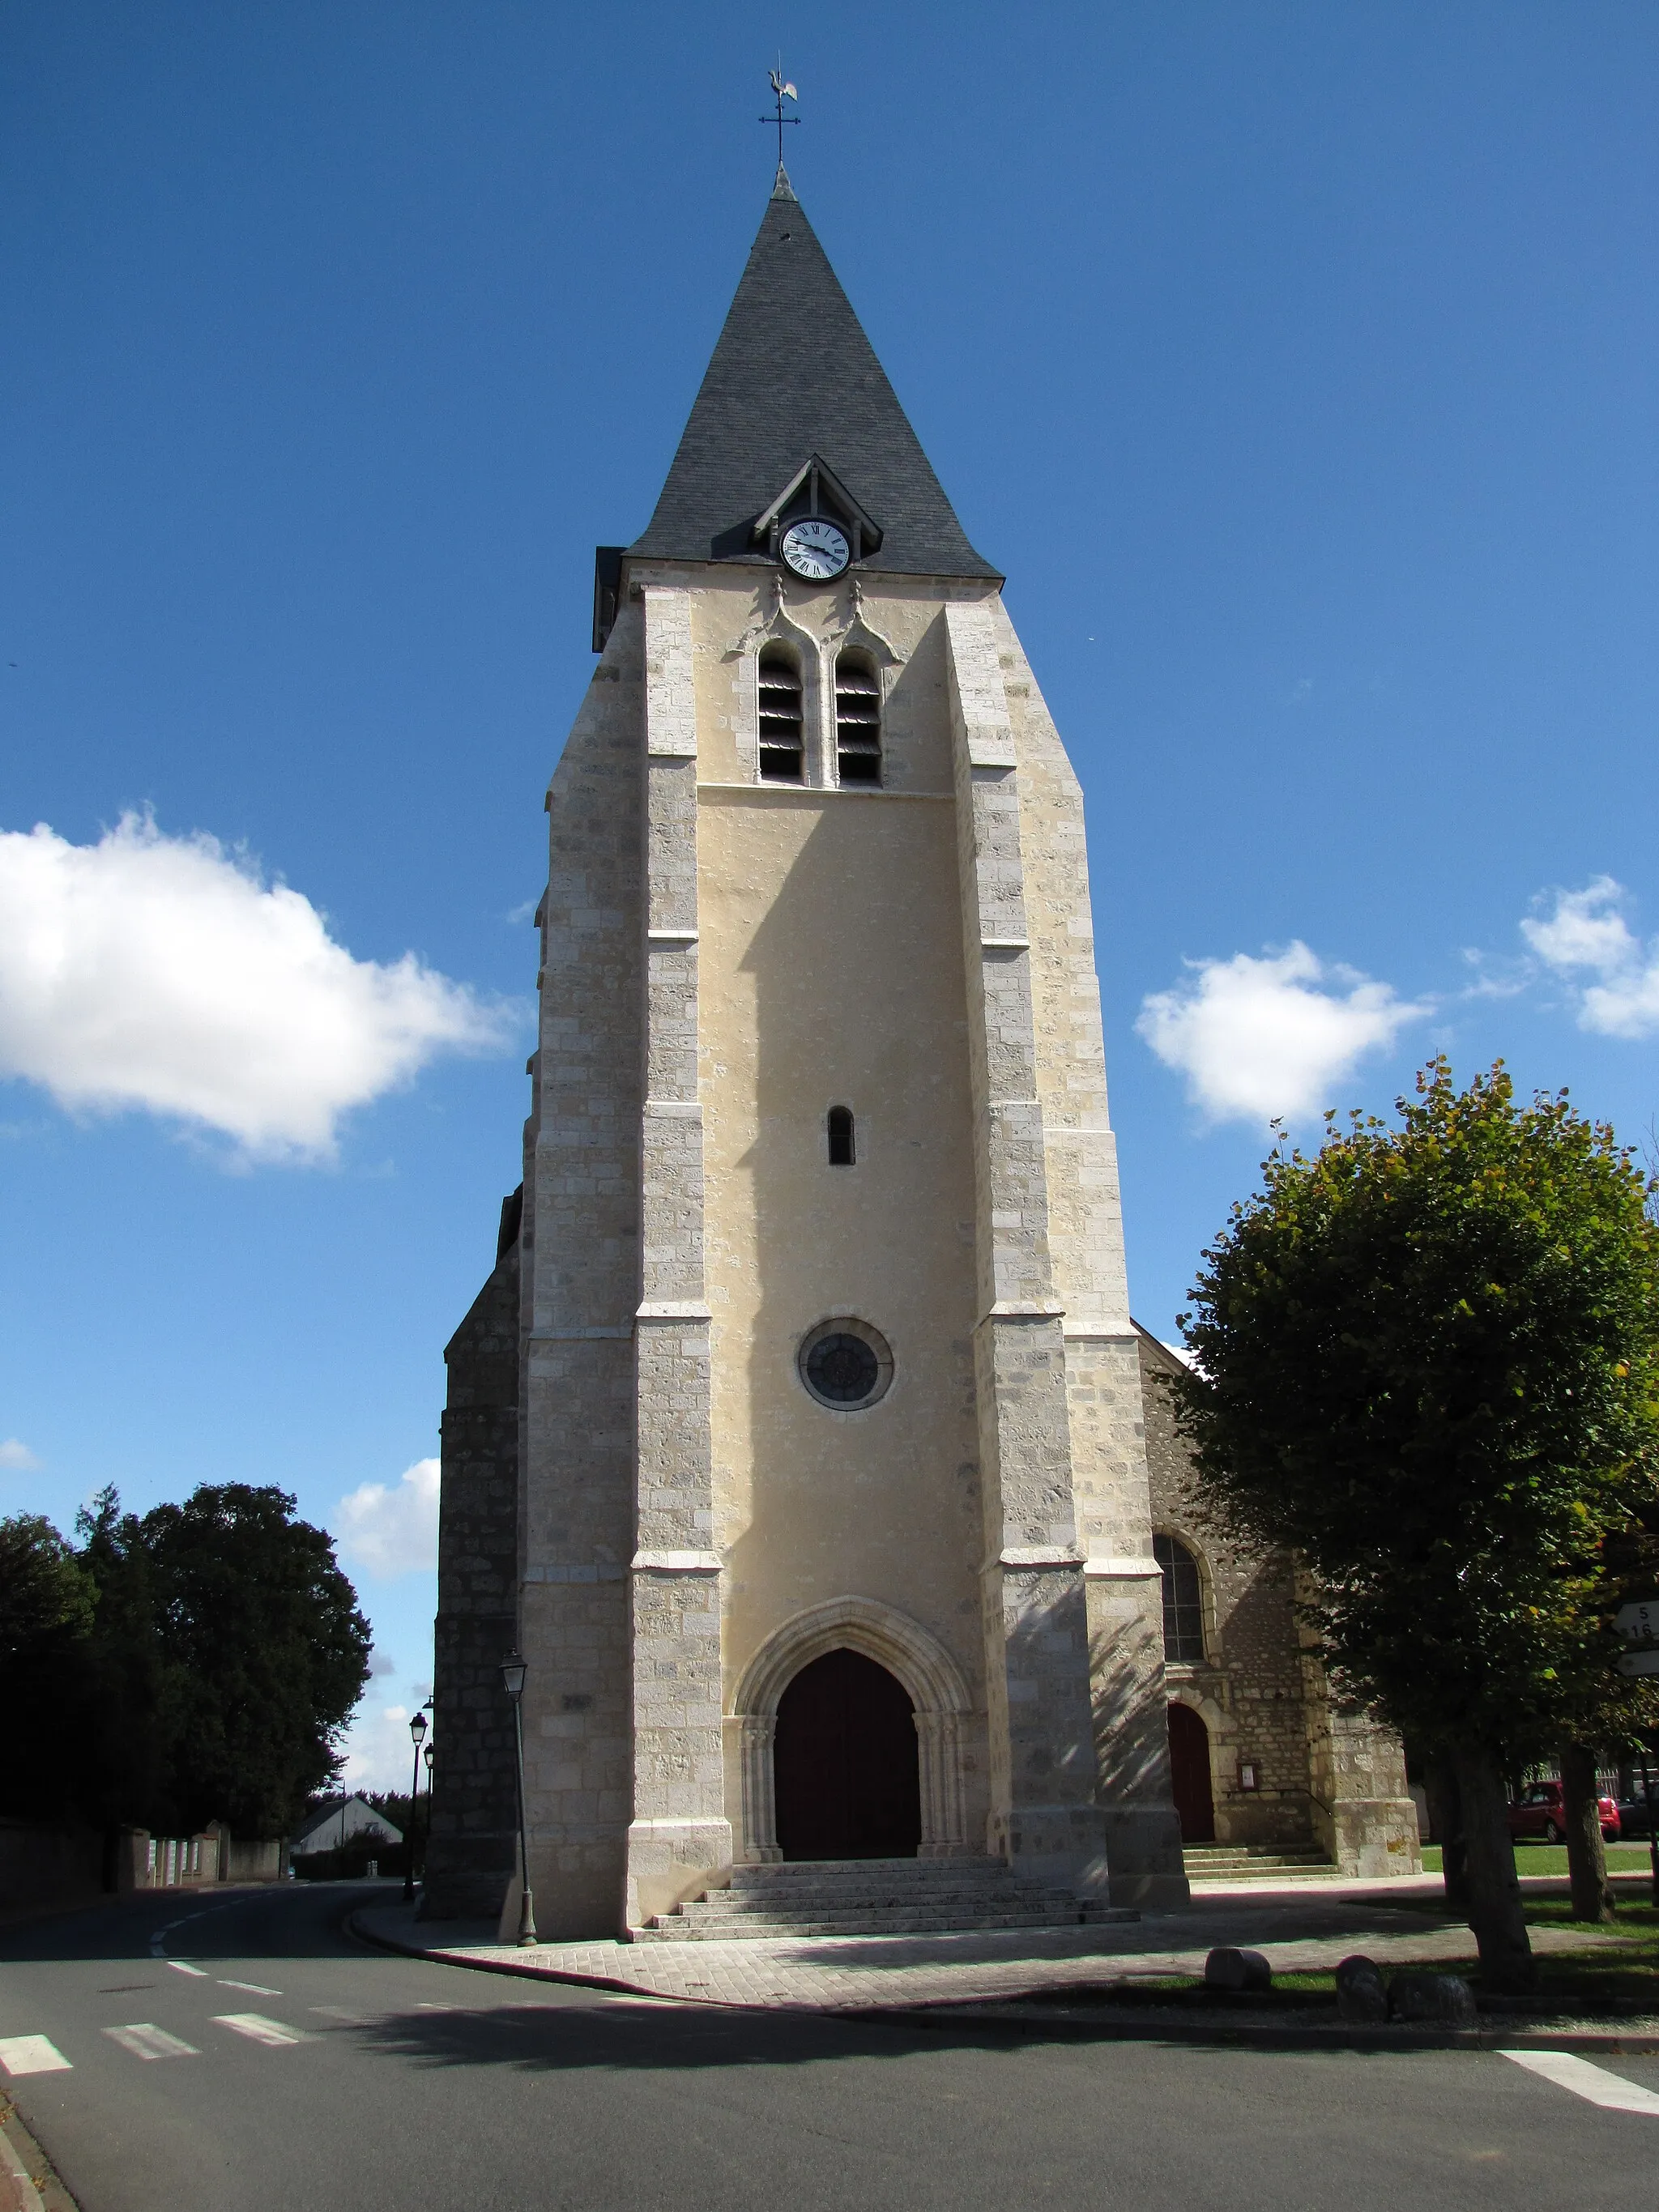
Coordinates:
[801,1439]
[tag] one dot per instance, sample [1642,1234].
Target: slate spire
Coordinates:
[793,377]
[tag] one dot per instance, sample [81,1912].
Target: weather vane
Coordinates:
[781,93]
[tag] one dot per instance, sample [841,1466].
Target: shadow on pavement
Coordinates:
[612,2034]
[285,1920]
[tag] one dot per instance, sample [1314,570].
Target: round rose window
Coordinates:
[846,1363]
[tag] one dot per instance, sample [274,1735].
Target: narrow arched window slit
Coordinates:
[842,1153]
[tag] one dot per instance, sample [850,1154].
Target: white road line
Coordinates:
[257,2027]
[31,2054]
[258,1989]
[183,1967]
[1594,2084]
[145,2040]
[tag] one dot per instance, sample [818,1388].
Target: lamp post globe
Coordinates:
[513,1670]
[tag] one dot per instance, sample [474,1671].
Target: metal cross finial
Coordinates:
[781,91]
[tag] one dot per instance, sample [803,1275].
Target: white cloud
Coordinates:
[392,1530]
[379,1752]
[164,973]
[1261,1039]
[17,1457]
[1585,933]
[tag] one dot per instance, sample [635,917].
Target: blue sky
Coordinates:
[1296,362]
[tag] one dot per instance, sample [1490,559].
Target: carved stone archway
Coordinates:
[932,1679]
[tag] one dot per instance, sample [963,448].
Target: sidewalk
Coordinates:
[1298,1933]
[1633,1885]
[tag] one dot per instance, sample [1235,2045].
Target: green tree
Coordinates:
[132,1688]
[1428,1362]
[45,1612]
[272,1651]
[45,1596]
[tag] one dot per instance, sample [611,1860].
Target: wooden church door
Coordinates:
[844,1763]
[1189,1775]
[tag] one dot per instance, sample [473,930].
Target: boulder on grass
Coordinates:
[1435,2000]
[1228,1969]
[1361,1992]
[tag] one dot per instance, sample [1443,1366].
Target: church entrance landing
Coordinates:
[845,1764]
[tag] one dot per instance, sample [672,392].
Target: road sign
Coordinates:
[1639,1622]
[1639,1662]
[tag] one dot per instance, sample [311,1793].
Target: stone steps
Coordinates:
[872,1897]
[1250,1863]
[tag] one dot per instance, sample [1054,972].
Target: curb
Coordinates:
[28,2179]
[1031,2027]
[526,1972]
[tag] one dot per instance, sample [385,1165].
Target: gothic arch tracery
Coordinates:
[931,1679]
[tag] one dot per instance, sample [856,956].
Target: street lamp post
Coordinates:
[418,1731]
[514,1671]
[428,1755]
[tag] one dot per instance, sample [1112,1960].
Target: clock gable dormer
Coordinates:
[814,494]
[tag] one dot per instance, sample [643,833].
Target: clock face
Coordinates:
[816,549]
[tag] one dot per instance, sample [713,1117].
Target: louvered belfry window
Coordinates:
[780,718]
[858,720]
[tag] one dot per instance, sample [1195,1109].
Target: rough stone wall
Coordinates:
[1250,1690]
[473,1844]
[1364,1817]
[1328,1778]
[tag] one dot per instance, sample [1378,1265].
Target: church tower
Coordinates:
[797,1437]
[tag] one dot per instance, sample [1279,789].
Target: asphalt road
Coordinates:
[310,2071]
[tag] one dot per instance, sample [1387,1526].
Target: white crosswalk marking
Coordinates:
[1594,2084]
[258,1989]
[31,2054]
[184,1966]
[257,2027]
[145,2040]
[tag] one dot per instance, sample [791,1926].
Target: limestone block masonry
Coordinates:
[656,1506]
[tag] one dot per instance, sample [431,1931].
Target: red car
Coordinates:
[1538,1812]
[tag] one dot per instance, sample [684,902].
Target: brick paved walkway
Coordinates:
[837,1973]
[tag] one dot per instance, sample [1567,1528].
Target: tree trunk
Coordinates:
[1446,1818]
[1587,1858]
[1495,1914]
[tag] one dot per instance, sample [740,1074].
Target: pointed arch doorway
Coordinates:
[844,1761]
[941,1714]
[1189,1775]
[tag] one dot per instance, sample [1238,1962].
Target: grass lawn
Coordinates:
[1604,1981]
[1552,1859]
